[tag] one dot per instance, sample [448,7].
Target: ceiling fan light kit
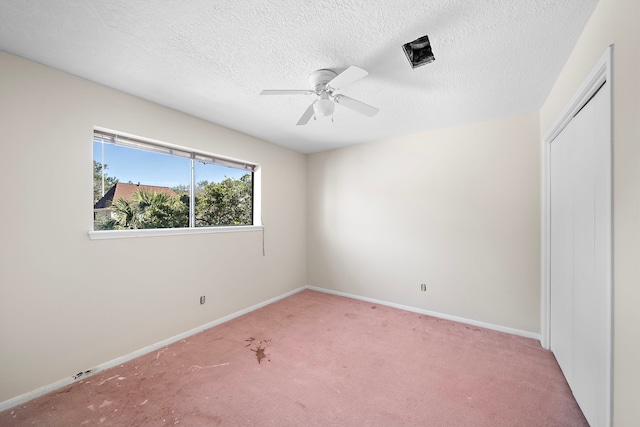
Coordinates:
[324,106]
[325,84]
[419,52]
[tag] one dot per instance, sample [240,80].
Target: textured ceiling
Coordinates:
[211,59]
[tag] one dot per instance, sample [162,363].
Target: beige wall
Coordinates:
[457,209]
[616,21]
[68,303]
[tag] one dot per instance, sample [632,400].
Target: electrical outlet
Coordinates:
[202,299]
[423,287]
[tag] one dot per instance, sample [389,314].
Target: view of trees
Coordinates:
[228,202]
[148,209]
[109,181]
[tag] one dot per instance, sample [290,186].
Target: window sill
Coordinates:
[126,234]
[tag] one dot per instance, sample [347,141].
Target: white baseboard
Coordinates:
[498,328]
[15,401]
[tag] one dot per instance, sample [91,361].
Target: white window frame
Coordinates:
[147,144]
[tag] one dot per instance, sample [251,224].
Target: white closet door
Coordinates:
[561,264]
[580,217]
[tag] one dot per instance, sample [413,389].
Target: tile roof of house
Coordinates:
[126,191]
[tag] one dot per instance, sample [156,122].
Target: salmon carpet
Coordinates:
[315,359]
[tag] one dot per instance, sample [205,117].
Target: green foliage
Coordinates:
[109,181]
[148,209]
[182,190]
[228,202]
[105,223]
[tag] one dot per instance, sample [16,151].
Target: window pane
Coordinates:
[139,188]
[224,196]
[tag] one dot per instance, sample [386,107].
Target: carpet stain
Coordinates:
[373,307]
[351,315]
[193,368]
[259,349]
[105,403]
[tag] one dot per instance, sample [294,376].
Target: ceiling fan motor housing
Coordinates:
[320,78]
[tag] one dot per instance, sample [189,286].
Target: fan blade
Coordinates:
[306,116]
[348,76]
[356,105]
[286,92]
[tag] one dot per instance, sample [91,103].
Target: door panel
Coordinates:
[584,293]
[579,258]
[561,266]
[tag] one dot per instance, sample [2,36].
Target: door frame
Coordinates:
[601,73]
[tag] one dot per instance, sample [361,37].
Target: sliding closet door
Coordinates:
[561,264]
[580,220]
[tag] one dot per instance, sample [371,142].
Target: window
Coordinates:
[140,184]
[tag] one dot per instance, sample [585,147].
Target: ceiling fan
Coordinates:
[325,83]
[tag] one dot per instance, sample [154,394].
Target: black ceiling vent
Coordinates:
[419,52]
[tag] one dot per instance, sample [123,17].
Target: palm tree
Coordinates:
[149,209]
[125,215]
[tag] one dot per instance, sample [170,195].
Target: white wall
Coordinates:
[616,21]
[457,209]
[68,303]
